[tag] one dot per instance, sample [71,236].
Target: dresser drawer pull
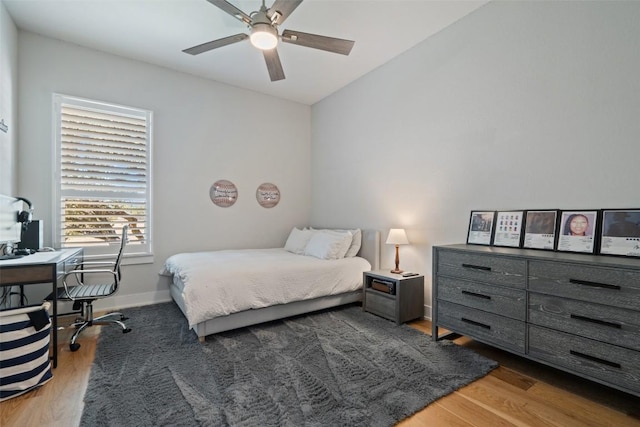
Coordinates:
[594,284]
[598,321]
[595,359]
[473,322]
[473,294]
[477,267]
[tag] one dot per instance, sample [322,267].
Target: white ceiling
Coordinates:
[156,31]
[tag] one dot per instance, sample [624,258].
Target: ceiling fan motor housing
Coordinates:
[263,34]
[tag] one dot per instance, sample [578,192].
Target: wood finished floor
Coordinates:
[518,393]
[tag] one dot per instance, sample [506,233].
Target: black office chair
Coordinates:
[83,295]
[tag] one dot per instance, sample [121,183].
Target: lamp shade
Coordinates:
[397,236]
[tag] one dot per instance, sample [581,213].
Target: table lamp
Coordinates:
[397,236]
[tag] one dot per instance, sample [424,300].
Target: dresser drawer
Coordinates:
[608,286]
[600,322]
[497,270]
[381,304]
[486,327]
[606,362]
[495,299]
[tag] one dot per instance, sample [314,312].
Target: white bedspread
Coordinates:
[224,282]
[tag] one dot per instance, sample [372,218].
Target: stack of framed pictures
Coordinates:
[591,231]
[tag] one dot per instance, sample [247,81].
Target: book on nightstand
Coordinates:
[384,286]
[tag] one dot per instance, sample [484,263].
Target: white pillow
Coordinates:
[327,244]
[356,241]
[297,241]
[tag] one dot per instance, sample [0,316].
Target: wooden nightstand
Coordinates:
[406,304]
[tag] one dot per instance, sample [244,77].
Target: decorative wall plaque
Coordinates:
[268,195]
[223,193]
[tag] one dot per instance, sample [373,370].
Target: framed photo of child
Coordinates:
[578,231]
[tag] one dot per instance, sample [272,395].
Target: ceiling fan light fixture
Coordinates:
[264,36]
[263,27]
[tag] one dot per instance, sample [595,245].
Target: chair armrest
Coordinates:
[84,263]
[91,271]
[91,267]
[77,274]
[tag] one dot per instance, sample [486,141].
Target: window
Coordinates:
[103,176]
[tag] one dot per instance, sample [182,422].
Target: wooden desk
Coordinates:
[38,268]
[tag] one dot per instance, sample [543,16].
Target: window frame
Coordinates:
[134,254]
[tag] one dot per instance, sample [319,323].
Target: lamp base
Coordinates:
[397,271]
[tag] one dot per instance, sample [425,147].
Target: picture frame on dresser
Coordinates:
[541,229]
[481,224]
[620,232]
[578,231]
[508,228]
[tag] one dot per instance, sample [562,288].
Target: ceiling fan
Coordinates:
[263,26]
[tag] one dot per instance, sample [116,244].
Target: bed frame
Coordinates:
[370,250]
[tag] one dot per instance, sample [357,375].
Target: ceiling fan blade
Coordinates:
[283,8]
[204,47]
[274,66]
[231,10]
[330,44]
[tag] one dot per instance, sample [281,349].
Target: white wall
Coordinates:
[519,105]
[8,101]
[203,131]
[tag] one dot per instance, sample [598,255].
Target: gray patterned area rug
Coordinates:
[338,367]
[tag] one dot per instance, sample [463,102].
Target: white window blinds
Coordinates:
[103,175]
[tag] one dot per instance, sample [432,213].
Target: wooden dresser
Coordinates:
[579,313]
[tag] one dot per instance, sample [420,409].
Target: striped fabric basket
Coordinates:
[24,349]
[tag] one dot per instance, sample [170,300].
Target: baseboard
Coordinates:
[119,302]
[427,312]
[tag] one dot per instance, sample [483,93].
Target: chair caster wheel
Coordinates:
[74,347]
[126,331]
[123,318]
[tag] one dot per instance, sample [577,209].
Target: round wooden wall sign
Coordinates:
[223,193]
[268,195]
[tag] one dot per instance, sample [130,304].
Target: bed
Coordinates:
[273,283]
